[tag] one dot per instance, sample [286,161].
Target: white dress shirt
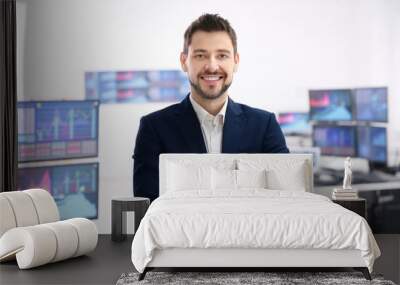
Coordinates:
[211,126]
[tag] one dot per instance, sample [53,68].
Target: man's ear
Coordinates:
[235,68]
[183,58]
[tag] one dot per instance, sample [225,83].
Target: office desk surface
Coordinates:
[390,185]
[327,190]
[102,266]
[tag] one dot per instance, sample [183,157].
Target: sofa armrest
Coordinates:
[40,244]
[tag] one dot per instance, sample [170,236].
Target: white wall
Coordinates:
[286,47]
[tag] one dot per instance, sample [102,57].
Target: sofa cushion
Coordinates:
[23,208]
[45,206]
[7,220]
[40,244]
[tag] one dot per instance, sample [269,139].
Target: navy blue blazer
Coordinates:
[176,129]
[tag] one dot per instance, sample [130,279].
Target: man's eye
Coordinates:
[199,56]
[223,56]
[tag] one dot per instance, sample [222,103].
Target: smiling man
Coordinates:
[207,120]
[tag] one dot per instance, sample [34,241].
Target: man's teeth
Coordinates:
[211,77]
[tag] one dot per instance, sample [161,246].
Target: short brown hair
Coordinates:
[209,23]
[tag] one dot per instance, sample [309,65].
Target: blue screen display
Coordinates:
[50,130]
[372,143]
[331,105]
[136,86]
[371,104]
[73,187]
[335,140]
[294,123]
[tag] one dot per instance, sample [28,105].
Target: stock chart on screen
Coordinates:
[73,187]
[295,123]
[331,105]
[372,143]
[136,86]
[335,140]
[371,104]
[49,130]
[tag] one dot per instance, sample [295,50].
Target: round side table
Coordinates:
[119,207]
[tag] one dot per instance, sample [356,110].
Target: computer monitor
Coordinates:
[335,140]
[136,86]
[294,123]
[49,130]
[73,187]
[372,143]
[315,151]
[331,105]
[371,104]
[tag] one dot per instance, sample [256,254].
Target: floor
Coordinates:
[102,266]
[388,264]
[111,259]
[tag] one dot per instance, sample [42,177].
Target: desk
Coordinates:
[327,190]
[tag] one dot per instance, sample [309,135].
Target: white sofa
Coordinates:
[31,233]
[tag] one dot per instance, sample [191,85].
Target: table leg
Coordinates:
[140,211]
[118,222]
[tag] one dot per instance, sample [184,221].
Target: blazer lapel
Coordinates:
[190,129]
[234,125]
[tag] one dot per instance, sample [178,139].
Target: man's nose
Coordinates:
[212,65]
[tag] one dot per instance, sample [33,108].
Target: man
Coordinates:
[207,120]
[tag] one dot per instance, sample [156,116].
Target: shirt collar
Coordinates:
[202,114]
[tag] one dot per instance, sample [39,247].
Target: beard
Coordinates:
[209,95]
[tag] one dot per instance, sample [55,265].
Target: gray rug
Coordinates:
[269,278]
